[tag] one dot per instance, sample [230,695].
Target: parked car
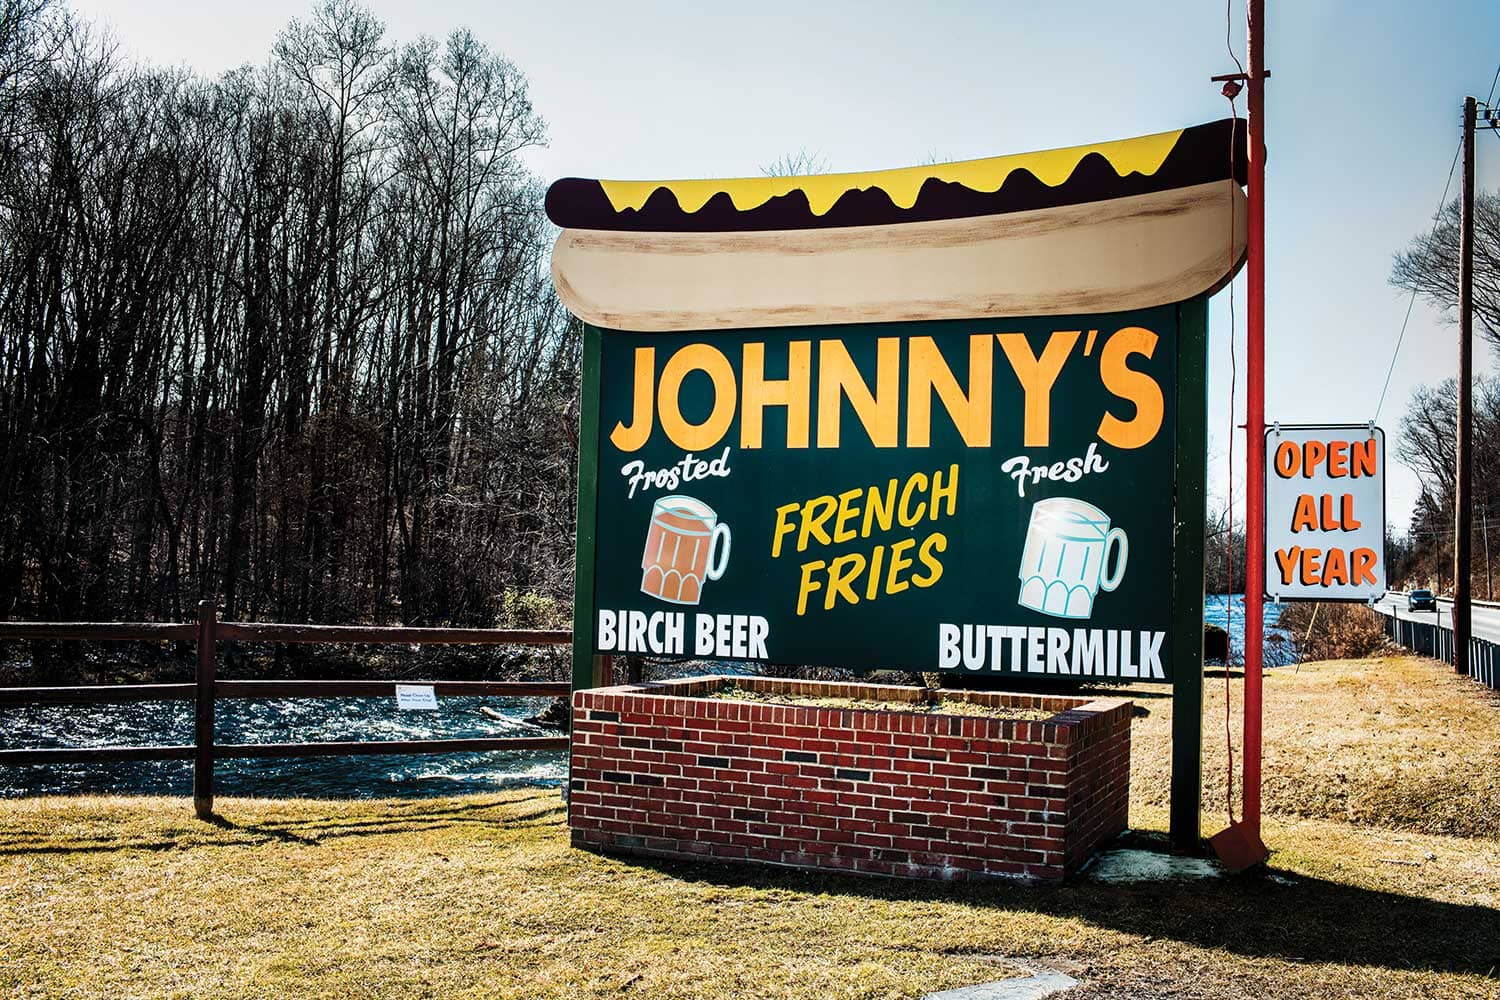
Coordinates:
[1421,600]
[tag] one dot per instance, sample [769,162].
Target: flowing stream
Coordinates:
[281,720]
[278,720]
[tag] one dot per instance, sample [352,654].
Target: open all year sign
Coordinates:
[1325,513]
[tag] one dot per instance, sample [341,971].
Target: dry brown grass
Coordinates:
[1331,631]
[1396,741]
[481,896]
[475,896]
[937,706]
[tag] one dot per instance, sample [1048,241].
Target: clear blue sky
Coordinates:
[1362,119]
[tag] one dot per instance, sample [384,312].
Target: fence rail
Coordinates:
[206,689]
[96,694]
[1435,640]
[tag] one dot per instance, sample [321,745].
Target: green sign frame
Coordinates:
[1187,415]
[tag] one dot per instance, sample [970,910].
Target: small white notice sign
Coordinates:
[417,697]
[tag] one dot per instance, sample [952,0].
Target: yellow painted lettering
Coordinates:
[945,490]
[843,571]
[808,584]
[847,512]
[696,358]
[1134,387]
[935,542]
[906,516]
[880,507]
[815,514]
[929,373]
[872,582]
[783,527]
[838,380]
[1037,376]
[792,392]
[894,583]
[632,437]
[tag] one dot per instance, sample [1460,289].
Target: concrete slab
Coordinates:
[1129,864]
[1041,983]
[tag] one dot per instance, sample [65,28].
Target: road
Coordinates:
[1485,618]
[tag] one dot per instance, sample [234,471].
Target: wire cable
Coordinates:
[1230,93]
[1436,221]
[1412,300]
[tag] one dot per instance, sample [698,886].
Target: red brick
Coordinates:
[903,794]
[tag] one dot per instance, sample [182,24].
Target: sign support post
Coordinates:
[1184,831]
[1240,846]
[1255,426]
[588,668]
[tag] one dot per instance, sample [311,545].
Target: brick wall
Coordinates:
[658,771]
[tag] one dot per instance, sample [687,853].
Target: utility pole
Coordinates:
[1463,498]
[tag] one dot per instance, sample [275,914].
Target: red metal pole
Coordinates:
[1255,419]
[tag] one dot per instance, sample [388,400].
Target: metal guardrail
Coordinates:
[1434,640]
[208,632]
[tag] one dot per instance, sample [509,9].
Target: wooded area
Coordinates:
[285,337]
[1429,267]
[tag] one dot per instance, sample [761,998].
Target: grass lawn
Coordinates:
[1382,779]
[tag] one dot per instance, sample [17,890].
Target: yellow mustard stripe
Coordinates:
[1144,155]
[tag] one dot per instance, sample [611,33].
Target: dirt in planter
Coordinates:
[938,706]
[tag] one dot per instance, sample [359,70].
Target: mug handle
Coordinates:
[1112,580]
[716,568]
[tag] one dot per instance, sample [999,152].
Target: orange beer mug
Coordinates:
[684,537]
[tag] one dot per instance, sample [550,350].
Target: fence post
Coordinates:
[203,720]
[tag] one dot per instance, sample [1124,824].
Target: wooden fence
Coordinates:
[208,632]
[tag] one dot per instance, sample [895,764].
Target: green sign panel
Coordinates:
[981,496]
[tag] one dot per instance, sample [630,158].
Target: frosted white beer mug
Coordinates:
[681,545]
[1068,544]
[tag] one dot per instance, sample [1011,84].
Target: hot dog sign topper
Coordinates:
[948,417]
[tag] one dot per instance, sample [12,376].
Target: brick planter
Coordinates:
[657,770]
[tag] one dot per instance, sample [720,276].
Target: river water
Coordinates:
[1219,609]
[281,720]
[275,720]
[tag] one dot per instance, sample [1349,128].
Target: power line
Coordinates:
[1412,301]
[1437,219]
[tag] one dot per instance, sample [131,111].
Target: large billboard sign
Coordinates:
[1325,513]
[957,495]
[943,418]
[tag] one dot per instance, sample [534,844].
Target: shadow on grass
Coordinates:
[545,809]
[1309,920]
[263,830]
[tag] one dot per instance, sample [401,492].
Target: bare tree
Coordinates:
[1429,264]
[799,164]
[1429,267]
[286,336]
